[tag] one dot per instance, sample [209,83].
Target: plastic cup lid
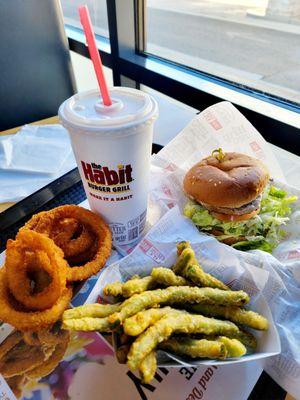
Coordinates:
[129,107]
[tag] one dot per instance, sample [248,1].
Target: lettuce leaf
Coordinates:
[261,244]
[259,232]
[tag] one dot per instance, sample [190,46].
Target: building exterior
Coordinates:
[284,9]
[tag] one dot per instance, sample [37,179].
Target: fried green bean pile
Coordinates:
[182,310]
[176,295]
[175,322]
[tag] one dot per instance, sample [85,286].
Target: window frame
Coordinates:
[276,119]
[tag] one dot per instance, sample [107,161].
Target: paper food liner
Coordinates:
[159,248]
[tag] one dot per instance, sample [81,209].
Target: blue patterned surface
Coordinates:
[84,292]
[74,195]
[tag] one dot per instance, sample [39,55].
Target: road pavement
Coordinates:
[260,57]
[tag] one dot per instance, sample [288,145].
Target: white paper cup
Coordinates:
[112,146]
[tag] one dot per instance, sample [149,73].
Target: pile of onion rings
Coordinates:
[53,249]
[33,285]
[21,361]
[83,236]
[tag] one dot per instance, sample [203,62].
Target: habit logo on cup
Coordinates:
[110,181]
[103,175]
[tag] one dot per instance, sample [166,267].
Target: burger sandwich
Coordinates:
[232,198]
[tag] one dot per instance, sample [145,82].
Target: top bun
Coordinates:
[231,182]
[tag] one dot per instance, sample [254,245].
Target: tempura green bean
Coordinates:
[178,295]
[134,277]
[113,289]
[195,348]
[166,277]
[234,347]
[246,338]
[132,286]
[138,285]
[147,367]
[159,277]
[234,314]
[91,310]
[182,245]
[175,322]
[136,324]
[188,266]
[87,324]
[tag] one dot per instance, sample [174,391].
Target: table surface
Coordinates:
[51,120]
[54,120]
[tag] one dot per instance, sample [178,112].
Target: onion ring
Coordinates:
[21,358]
[72,237]
[25,257]
[34,361]
[86,242]
[12,313]
[47,350]
[31,338]
[48,366]
[48,336]
[76,241]
[11,341]
[16,383]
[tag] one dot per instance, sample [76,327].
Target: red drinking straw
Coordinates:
[94,53]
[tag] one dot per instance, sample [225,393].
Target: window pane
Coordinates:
[98,12]
[85,75]
[251,42]
[166,128]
